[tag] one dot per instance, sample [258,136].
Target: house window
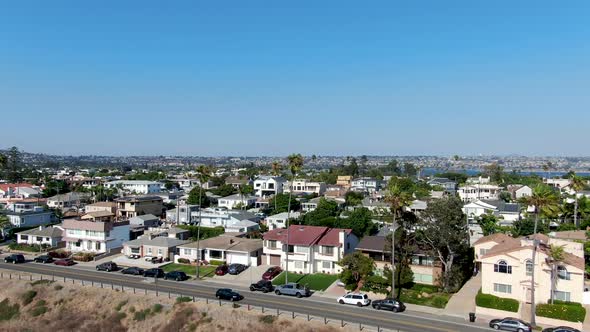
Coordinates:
[422,260]
[187,252]
[298,264]
[327,251]
[483,251]
[529,267]
[24,237]
[39,239]
[326,265]
[561,296]
[97,246]
[503,267]
[89,245]
[290,249]
[562,273]
[302,250]
[271,244]
[149,250]
[502,288]
[159,252]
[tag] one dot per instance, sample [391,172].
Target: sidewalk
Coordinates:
[463,302]
[586,326]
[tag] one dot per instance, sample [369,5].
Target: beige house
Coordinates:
[101,206]
[161,246]
[506,267]
[132,206]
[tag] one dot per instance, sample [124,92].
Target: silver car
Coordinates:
[511,324]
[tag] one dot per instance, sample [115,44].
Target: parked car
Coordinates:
[358,299]
[153,260]
[228,294]
[293,289]
[271,273]
[154,273]
[236,268]
[221,270]
[107,266]
[389,304]
[264,286]
[511,324]
[64,262]
[14,259]
[136,271]
[43,259]
[561,329]
[176,275]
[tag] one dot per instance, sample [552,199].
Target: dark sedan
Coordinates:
[65,262]
[389,304]
[511,324]
[228,294]
[264,286]
[236,268]
[136,271]
[176,275]
[14,259]
[43,259]
[154,273]
[561,329]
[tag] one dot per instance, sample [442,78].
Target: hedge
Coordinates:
[495,302]
[568,312]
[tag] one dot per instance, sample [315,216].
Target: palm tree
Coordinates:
[556,256]
[577,184]
[203,174]
[295,165]
[545,201]
[397,200]
[277,168]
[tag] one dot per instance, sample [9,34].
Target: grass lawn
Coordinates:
[191,270]
[316,281]
[425,295]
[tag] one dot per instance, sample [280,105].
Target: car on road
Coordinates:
[153,260]
[389,304]
[221,270]
[561,329]
[228,294]
[176,275]
[43,259]
[14,259]
[154,273]
[511,324]
[271,273]
[136,271]
[358,299]
[64,262]
[107,266]
[264,286]
[236,268]
[293,289]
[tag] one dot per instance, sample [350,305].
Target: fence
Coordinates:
[29,276]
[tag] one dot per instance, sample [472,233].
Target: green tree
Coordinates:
[276,169]
[55,187]
[405,247]
[4,224]
[488,223]
[356,267]
[556,256]
[224,190]
[324,215]
[295,162]
[577,184]
[410,170]
[13,165]
[392,168]
[444,231]
[197,196]
[526,226]
[353,198]
[360,221]
[495,172]
[505,196]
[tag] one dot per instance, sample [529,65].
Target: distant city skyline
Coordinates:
[333,78]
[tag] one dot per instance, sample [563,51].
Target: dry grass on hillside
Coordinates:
[65,307]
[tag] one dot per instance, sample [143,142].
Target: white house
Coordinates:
[518,191]
[279,220]
[24,215]
[365,184]
[224,248]
[19,190]
[230,220]
[479,191]
[506,212]
[50,236]
[306,187]
[268,185]
[94,236]
[67,200]
[311,249]
[235,201]
[136,186]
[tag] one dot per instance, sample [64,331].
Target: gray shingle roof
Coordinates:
[45,232]
[160,241]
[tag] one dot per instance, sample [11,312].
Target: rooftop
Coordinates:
[159,241]
[225,242]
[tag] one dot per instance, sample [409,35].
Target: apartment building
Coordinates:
[94,236]
[478,191]
[310,249]
[365,184]
[131,206]
[101,206]
[265,186]
[344,181]
[136,186]
[305,187]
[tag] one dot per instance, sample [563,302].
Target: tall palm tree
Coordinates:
[295,162]
[397,200]
[276,170]
[203,174]
[577,184]
[556,256]
[545,201]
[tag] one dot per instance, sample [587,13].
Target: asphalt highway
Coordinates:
[352,315]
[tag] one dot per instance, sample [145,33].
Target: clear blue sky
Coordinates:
[316,77]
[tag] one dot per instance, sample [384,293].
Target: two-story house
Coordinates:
[479,191]
[506,212]
[365,184]
[305,187]
[310,249]
[136,186]
[518,191]
[94,236]
[448,185]
[101,206]
[506,268]
[265,186]
[236,201]
[279,220]
[27,214]
[72,199]
[237,181]
[131,206]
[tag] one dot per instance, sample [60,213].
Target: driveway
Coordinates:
[140,262]
[244,279]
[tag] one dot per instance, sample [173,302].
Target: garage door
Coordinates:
[232,258]
[275,260]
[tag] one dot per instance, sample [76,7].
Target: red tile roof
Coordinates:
[5,186]
[298,234]
[332,237]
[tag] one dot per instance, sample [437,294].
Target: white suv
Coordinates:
[359,299]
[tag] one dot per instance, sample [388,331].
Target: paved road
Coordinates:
[402,321]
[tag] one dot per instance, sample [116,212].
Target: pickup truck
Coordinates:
[293,289]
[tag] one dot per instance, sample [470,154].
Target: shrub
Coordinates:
[141,315]
[495,302]
[28,296]
[267,319]
[157,308]
[183,299]
[38,311]
[27,247]
[184,261]
[376,284]
[58,287]
[216,262]
[425,288]
[59,254]
[120,305]
[42,282]
[568,312]
[8,311]
[83,257]
[439,301]
[119,316]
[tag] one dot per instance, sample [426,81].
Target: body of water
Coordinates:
[474,172]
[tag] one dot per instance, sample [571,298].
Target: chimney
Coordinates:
[342,237]
[41,228]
